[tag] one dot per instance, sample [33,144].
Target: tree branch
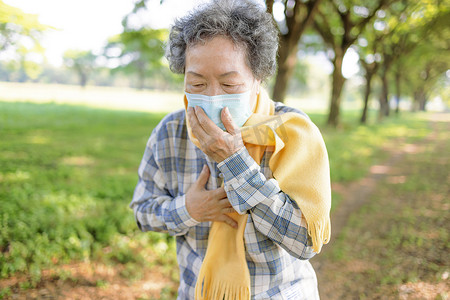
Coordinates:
[312,9]
[299,25]
[360,26]
[324,30]
[269,5]
[290,20]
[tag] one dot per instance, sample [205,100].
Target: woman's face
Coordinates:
[219,67]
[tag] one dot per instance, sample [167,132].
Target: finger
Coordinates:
[203,177]
[219,193]
[224,202]
[194,123]
[228,220]
[228,210]
[206,123]
[228,121]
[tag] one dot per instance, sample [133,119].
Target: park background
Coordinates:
[82,85]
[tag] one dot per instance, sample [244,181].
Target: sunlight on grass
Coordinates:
[353,148]
[79,161]
[93,96]
[38,139]
[18,176]
[75,206]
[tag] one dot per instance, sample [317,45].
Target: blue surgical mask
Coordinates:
[238,105]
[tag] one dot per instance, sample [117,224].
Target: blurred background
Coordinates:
[83,83]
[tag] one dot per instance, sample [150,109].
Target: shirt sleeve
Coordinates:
[154,208]
[273,212]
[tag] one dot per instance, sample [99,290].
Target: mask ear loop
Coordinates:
[259,87]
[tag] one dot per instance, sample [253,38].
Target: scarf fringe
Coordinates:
[320,232]
[221,290]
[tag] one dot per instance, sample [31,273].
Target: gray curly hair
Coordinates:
[244,21]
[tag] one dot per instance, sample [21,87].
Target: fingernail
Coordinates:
[226,110]
[204,168]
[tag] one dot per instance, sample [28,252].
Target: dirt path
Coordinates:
[356,194]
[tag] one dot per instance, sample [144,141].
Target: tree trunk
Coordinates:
[82,75]
[301,17]
[141,76]
[286,66]
[367,91]
[83,79]
[338,84]
[415,104]
[384,101]
[398,91]
[422,101]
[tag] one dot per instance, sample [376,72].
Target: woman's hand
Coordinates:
[204,205]
[215,142]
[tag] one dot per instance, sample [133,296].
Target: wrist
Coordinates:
[188,204]
[225,155]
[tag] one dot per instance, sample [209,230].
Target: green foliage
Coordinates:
[410,39]
[139,52]
[82,62]
[19,35]
[14,23]
[139,49]
[428,57]
[5,292]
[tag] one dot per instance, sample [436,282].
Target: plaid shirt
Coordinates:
[276,240]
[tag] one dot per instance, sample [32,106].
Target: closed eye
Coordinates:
[230,85]
[232,88]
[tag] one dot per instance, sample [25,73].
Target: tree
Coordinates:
[139,51]
[428,59]
[396,33]
[19,36]
[82,62]
[419,33]
[424,67]
[370,66]
[340,23]
[398,40]
[298,16]
[16,25]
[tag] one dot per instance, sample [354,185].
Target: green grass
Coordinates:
[67,175]
[353,148]
[401,237]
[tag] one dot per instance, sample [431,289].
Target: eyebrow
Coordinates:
[195,74]
[229,73]
[222,75]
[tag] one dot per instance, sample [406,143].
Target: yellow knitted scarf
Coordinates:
[299,163]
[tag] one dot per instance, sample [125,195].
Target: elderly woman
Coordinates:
[242,182]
